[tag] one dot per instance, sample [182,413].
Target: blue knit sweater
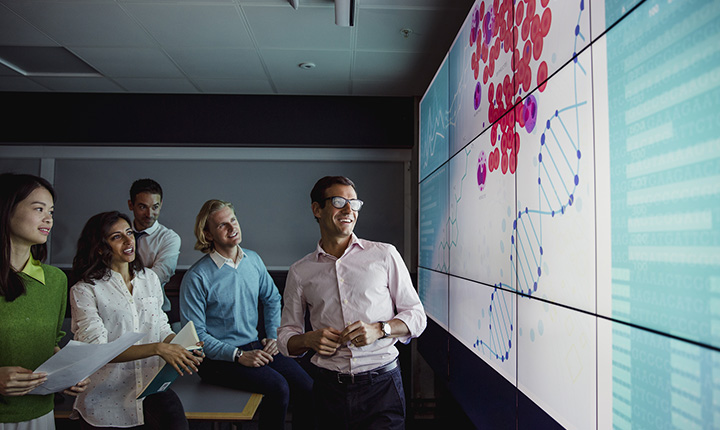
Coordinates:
[223,303]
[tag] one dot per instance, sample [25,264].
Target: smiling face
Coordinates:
[336,224]
[145,209]
[223,230]
[32,219]
[121,241]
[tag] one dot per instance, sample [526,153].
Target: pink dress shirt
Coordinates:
[369,283]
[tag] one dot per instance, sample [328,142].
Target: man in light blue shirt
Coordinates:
[220,293]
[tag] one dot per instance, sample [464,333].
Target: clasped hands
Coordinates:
[326,341]
[260,357]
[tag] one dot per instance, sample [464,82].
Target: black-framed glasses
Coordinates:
[340,202]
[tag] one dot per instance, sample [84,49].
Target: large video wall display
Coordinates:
[579,241]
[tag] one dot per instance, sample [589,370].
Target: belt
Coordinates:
[351,378]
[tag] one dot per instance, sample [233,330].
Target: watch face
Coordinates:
[386,328]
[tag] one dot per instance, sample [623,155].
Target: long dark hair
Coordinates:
[93,257]
[15,188]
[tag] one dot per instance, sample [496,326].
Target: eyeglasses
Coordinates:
[340,202]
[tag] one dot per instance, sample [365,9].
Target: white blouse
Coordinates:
[101,313]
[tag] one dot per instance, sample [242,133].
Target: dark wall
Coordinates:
[220,120]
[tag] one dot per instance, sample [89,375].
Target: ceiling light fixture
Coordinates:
[306,66]
[345,13]
[406,32]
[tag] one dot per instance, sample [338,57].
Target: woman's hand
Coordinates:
[77,388]
[18,381]
[181,359]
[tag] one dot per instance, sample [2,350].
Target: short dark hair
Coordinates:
[94,255]
[318,192]
[145,186]
[14,188]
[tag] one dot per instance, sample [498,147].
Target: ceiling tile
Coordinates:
[15,31]
[195,25]
[218,62]
[129,62]
[234,86]
[313,87]
[386,88]
[283,64]
[158,86]
[389,65]
[385,33]
[84,24]
[20,84]
[305,28]
[80,85]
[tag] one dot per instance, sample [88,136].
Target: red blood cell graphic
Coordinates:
[545,22]
[530,7]
[525,29]
[537,49]
[542,74]
[519,12]
[519,114]
[502,32]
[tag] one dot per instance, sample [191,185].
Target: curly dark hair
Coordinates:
[15,188]
[93,257]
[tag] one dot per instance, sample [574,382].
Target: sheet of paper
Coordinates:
[79,360]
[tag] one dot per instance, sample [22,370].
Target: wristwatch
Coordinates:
[238,354]
[386,329]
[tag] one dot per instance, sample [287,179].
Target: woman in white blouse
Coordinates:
[116,295]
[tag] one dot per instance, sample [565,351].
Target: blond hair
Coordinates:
[207,209]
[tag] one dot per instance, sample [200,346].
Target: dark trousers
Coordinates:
[161,411]
[282,383]
[377,402]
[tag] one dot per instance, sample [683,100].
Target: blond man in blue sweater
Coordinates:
[220,293]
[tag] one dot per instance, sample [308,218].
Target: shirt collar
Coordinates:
[354,241]
[33,269]
[150,230]
[219,260]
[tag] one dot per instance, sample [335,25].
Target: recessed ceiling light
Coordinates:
[406,32]
[45,61]
[306,65]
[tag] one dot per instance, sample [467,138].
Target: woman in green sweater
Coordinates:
[32,302]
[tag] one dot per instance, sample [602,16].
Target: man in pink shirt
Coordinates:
[361,301]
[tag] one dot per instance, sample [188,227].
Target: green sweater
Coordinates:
[30,328]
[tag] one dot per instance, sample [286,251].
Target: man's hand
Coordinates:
[361,333]
[324,342]
[255,358]
[18,381]
[270,346]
